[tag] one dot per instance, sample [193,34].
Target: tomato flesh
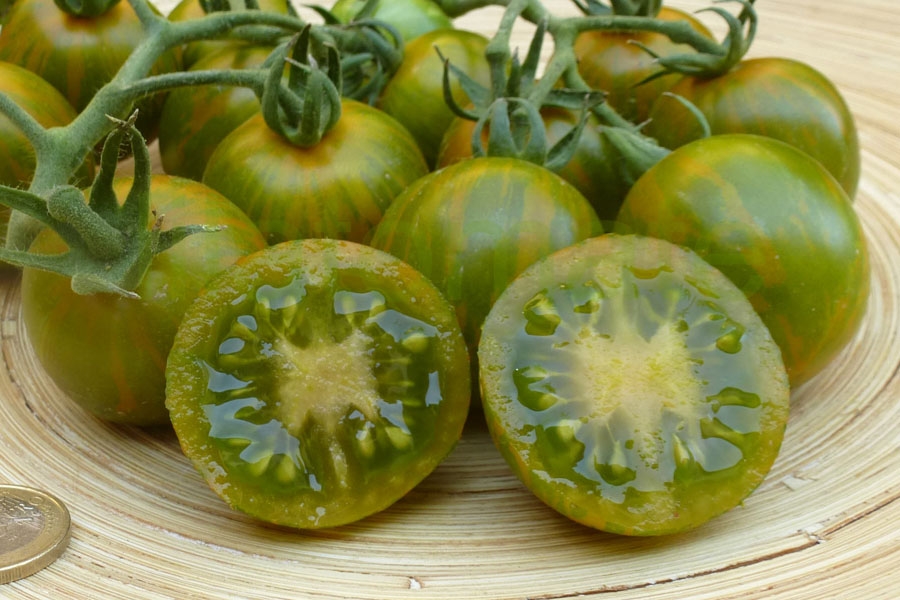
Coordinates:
[334,379]
[631,386]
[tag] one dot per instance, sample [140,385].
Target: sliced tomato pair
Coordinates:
[629,384]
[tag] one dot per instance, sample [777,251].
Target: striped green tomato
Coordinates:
[195,119]
[777,223]
[776,97]
[79,55]
[107,352]
[415,93]
[592,169]
[473,226]
[338,188]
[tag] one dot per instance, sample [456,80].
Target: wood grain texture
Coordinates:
[824,524]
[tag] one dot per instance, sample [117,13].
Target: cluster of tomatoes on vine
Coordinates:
[623,255]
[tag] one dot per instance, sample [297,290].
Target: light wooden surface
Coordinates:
[825,524]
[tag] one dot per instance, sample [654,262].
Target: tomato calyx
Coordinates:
[305,106]
[512,103]
[85,8]
[371,51]
[741,32]
[110,245]
[364,17]
[632,8]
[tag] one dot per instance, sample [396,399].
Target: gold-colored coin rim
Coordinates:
[47,546]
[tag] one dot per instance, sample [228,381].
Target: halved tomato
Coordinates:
[631,386]
[316,382]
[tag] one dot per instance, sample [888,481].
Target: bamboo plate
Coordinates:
[824,524]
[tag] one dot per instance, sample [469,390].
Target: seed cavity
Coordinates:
[349,378]
[535,391]
[258,443]
[231,345]
[541,315]
[732,396]
[730,341]
[587,298]
[651,273]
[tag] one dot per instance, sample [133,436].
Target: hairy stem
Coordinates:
[248,78]
[680,32]
[33,130]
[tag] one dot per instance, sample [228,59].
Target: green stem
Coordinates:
[63,149]
[248,78]
[146,15]
[563,65]
[104,241]
[74,141]
[680,32]
[497,51]
[216,25]
[33,130]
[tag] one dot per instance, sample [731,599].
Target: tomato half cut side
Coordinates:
[631,386]
[317,382]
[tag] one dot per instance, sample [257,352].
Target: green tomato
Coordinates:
[592,169]
[631,386]
[79,55]
[473,226]
[196,119]
[616,62]
[338,188]
[415,93]
[316,382]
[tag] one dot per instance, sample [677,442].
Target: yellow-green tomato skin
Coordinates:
[617,62]
[415,94]
[771,96]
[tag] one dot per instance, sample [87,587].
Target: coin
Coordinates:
[34,531]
